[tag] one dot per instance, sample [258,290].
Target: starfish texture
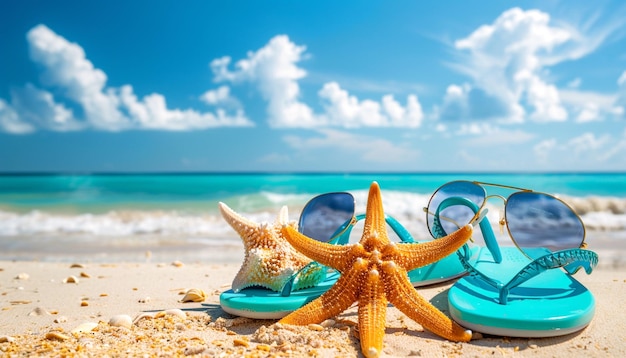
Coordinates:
[270,261]
[373,273]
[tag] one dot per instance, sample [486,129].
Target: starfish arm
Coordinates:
[326,254]
[334,301]
[404,296]
[247,229]
[372,315]
[412,256]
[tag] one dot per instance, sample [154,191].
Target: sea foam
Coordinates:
[598,213]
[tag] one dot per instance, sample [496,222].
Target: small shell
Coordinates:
[172,312]
[39,311]
[240,342]
[6,339]
[22,276]
[178,264]
[316,327]
[56,336]
[84,303]
[189,351]
[61,319]
[143,316]
[194,295]
[77,266]
[85,275]
[121,320]
[71,279]
[85,327]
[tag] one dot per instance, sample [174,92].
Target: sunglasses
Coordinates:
[330,218]
[533,219]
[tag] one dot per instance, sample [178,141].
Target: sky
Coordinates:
[312,86]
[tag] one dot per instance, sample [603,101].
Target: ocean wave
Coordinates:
[598,213]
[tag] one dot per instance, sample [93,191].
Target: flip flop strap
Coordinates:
[485,226]
[571,260]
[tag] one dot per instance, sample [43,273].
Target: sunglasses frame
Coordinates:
[479,215]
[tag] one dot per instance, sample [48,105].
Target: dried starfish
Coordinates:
[373,273]
[270,261]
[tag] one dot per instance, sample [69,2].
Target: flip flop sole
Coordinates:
[550,304]
[262,303]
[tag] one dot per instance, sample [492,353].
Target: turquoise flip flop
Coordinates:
[511,294]
[261,303]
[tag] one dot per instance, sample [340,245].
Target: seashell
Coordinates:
[85,275]
[71,279]
[39,311]
[316,327]
[328,323]
[84,303]
[57,336]
[177,264]
[22,276]
[61,319]
[194,295]
[121,320]
[172,312]
[143,316]
[6,339]
[189,351]
[76,265]
[241,342]
[84,327]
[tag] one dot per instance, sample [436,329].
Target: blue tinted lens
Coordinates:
[540,220]
[325,214]
[458,214]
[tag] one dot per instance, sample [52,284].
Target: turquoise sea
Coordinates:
[103,216]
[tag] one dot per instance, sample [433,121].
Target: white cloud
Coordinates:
[508,62]
[346,110]
[274,70]
[10,121]
[587,143]
[543,149]
[219,96]
[485,135]
[368,148]
[66,69]
[37,106]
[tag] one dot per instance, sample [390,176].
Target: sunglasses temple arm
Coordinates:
[342,235]
[485,227]
[399,229]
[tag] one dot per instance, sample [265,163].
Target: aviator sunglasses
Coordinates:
[533,219]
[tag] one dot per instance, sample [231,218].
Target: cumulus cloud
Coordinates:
[508,62]
[274,70]
[66,70]
[10,121]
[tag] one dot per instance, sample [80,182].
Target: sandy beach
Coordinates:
[135,309]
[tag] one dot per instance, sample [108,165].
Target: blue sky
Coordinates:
[286,86]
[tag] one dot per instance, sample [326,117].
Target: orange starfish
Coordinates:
[373,273]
